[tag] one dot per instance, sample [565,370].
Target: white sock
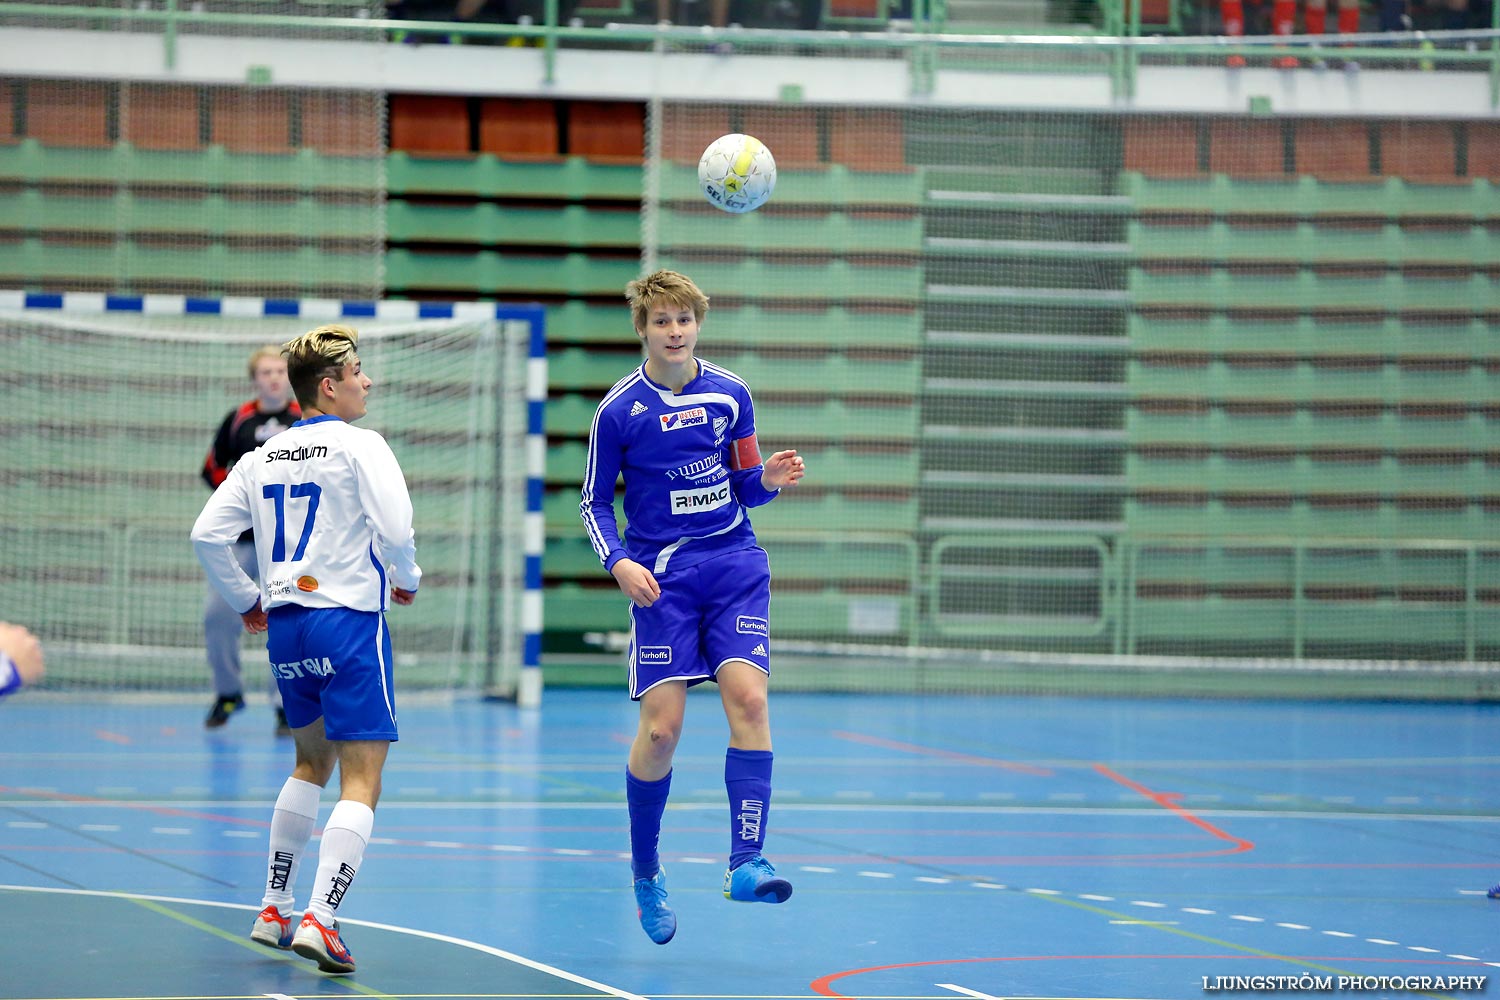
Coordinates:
[291,827]
[344,838]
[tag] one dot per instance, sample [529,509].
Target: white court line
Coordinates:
[428,935]
[966,991]
[903,808]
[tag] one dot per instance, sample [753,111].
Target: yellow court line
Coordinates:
[166,911]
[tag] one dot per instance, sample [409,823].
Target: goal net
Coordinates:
[107,421]
[1174,401]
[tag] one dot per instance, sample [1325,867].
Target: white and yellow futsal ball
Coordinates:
[737,173]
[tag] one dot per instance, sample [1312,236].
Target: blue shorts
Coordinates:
[334,663]
[708,614]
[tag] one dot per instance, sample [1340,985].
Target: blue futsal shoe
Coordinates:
[657,920]
[755,881]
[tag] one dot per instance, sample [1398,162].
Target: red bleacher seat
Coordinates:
[154,116]
[1162,147]
[522,127]
[68,114]
[1333,150]
[1242,147]
[426,124]
[251,121]
[614,130]
[866,139]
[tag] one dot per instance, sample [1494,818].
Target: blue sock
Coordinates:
[747,776]
[646,800]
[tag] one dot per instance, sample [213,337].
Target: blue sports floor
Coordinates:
[940,847]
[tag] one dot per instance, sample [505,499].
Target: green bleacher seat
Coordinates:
[1387,476]
[1387,624]
[1388,337]
[1308,198]
[511,275]
[211,169]
[1304,429]
[486,176]
[835,326]
[1271,565]
[1307,291]
[804,510]
[193,216]
[488,224]
[749,325]
[1311,383]
[1307,243]
[835,232]
[834,280]
[1302,518]
[570,415]
[125,264]
[834,614]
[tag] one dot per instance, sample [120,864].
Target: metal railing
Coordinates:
[1122,45]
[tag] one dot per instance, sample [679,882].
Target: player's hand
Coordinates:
[782,469]
[24,650]
[255,619]
[403,597]
[636,582]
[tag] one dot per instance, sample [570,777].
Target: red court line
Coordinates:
[966,758]
[1168,801]
[118,804]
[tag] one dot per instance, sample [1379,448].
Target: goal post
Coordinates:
[112,402]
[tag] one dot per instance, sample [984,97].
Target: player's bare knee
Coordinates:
[751,709]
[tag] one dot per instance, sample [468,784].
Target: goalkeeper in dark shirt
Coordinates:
[244,429]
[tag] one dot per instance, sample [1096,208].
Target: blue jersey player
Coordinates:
[682,433]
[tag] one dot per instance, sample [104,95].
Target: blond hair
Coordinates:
[664,288]
[261,354]
[316,355]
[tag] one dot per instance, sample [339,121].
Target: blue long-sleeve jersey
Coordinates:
[691,468]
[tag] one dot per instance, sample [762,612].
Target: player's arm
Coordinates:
[20,658]
[387,505]
[597,507]
[216,462]
[223,519]
[758,481]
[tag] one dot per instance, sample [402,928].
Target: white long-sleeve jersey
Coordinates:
[332,519]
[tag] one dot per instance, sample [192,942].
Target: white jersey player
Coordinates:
[333,536]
